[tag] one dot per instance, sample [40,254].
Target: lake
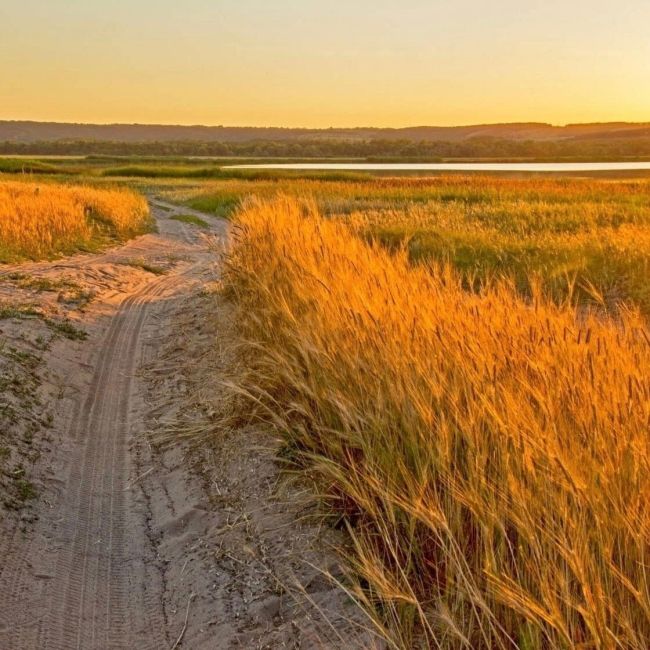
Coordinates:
[458,167]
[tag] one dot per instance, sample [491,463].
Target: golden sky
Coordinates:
[326,63]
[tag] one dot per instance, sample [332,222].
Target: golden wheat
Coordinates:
[42,220]
[491,454]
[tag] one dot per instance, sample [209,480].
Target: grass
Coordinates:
[488,452]
[149,267]
[24,166]
[22,311]
[26,281]
[191,219]
[461,364]
[222,204]
[217,172]
[10,310]
[66,329]
[162,171]
[26,490]
[21,412]
[45,220]
[68,290]
[586,238]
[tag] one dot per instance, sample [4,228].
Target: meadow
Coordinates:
[487,451]
[582,239]
[45,220]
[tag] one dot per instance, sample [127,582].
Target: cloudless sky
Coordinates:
[325,63]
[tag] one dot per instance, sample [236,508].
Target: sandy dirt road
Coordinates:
[127,547]
[86,576]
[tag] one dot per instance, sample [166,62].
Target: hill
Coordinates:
[29,132]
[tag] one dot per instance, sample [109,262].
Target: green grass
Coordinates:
[217,172]
[66,329]
[149,267]
[26,281]
[571,233]
[69,291]
[26,490]
[220,205]
[22,312]
[8,310]
[191,219]
[23,166]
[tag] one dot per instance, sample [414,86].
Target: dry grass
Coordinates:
[490,454]
[45,220]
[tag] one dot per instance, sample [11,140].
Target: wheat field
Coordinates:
[41,220]
[488,452]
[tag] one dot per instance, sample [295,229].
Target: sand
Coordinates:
[149,527]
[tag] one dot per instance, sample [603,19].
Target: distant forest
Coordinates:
[517,140]
[385,149]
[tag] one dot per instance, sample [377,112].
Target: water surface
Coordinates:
[460,167]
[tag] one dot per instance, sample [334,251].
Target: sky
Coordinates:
[325,63]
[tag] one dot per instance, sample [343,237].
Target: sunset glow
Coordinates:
[306,63]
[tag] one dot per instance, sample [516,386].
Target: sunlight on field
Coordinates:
[574,235]
[489,453]
[39,220]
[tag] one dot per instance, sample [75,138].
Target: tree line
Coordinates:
[479,147]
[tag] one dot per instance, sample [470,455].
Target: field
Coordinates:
[42,220]
[325,325]
[458,364]
[587,239]
[488,453]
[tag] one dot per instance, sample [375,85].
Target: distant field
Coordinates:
[124,168]
[584,237]
[43,220]
[587,238]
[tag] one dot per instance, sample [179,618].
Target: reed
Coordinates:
[489,454]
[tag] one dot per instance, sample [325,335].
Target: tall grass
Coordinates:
[568,233]
[44,220]
[489,454]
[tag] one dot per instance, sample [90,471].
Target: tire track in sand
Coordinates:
[94,592]
[90,593]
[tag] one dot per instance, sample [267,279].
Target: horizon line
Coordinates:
[328,128]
